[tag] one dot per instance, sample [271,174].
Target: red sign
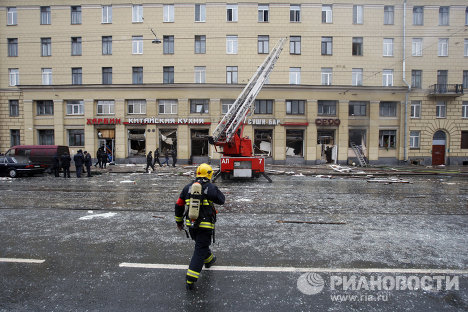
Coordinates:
[104,121]
[327,122]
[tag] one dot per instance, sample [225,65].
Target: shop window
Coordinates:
[167,140]
[326,137]
[263,141]
[294,142]
[387,139]
[136,143]
[357,137]
[199,142]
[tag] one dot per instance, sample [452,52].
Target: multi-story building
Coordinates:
[387,76]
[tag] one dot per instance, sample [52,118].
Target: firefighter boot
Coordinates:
[210,261]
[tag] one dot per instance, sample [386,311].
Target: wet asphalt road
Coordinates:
[85,229]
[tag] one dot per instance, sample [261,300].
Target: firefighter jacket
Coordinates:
[207,217]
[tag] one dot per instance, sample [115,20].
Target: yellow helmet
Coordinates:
[204,171]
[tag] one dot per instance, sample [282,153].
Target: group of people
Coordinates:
[151,163]
[102,157]
[64,161]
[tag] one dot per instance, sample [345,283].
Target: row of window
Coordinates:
[263,45]
[387,138]
[232,14]
[263,107]
[232,76]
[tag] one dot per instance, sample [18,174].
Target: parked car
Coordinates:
[11,167]
[38,154]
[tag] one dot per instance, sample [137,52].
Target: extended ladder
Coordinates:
[359,155]
[231,122]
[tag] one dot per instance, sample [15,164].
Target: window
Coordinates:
[464,109]
[200,74]
[46,76]
[464,139]
[137,13]
[295,45]
[45,15]
[356,77]
[414,139]
[13,74]
[231,12]
[168,10]
[76,46]
[226,105]
[327,14]
[387,138]
[14,108]
[137,44]
[466,16]
[263,10]
[199,106]
[263,44]
[327,75]
[231,44]
[76,137]
[358,14]
[416,47]
[443,47]
[76,15]
[137,75]
[46,47]
[326,108]
[167,106]
[106,45]
[295,13]
[263,107]
[105,107]
[12,16]
[357,108]
[45,137]
[45,107]
[388,109]
[13,47]
[231,74]
[389,12]
[441,109]
[107,75]
[465,48]
[136,106]
[416,79]
[15,138]
[168,74]
[418,15]
[200,13]
[327,45]
[465,79]
[168,44]
[294,75]
[75,107]
[357,46]
[77,74]
[415,109]
[388,47]
[295,107]
[200,44]
[106,14]
[444,15]
[387,77]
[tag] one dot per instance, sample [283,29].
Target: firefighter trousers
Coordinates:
[201,255]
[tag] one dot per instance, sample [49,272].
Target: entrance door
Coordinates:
[438,148]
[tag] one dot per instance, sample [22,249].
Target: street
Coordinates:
[301,243]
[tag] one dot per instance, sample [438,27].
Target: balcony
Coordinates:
[446,90]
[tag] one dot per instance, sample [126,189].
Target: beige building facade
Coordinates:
[384,78]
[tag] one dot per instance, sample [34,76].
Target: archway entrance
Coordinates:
[438,148]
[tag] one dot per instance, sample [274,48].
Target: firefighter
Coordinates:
[196,205]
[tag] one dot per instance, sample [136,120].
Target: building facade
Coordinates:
[386,78]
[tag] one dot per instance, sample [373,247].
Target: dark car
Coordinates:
[11,167]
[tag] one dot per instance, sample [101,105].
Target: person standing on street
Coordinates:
[156,158]
[79,161]
[196,205]
[104,158]
[56,165]
[88,162]
[166,158]
[149,161]
[99,158]
[174,157]
[65,159]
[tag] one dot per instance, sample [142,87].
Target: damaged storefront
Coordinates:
[136,142]
[167,141]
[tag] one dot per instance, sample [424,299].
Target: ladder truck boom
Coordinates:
[238,160]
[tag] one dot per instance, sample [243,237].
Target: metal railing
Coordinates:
[448,89]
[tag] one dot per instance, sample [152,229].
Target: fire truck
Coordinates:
[238,159]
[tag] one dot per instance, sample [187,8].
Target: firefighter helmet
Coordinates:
[204,171]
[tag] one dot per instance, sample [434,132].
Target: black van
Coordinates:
[39,154]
